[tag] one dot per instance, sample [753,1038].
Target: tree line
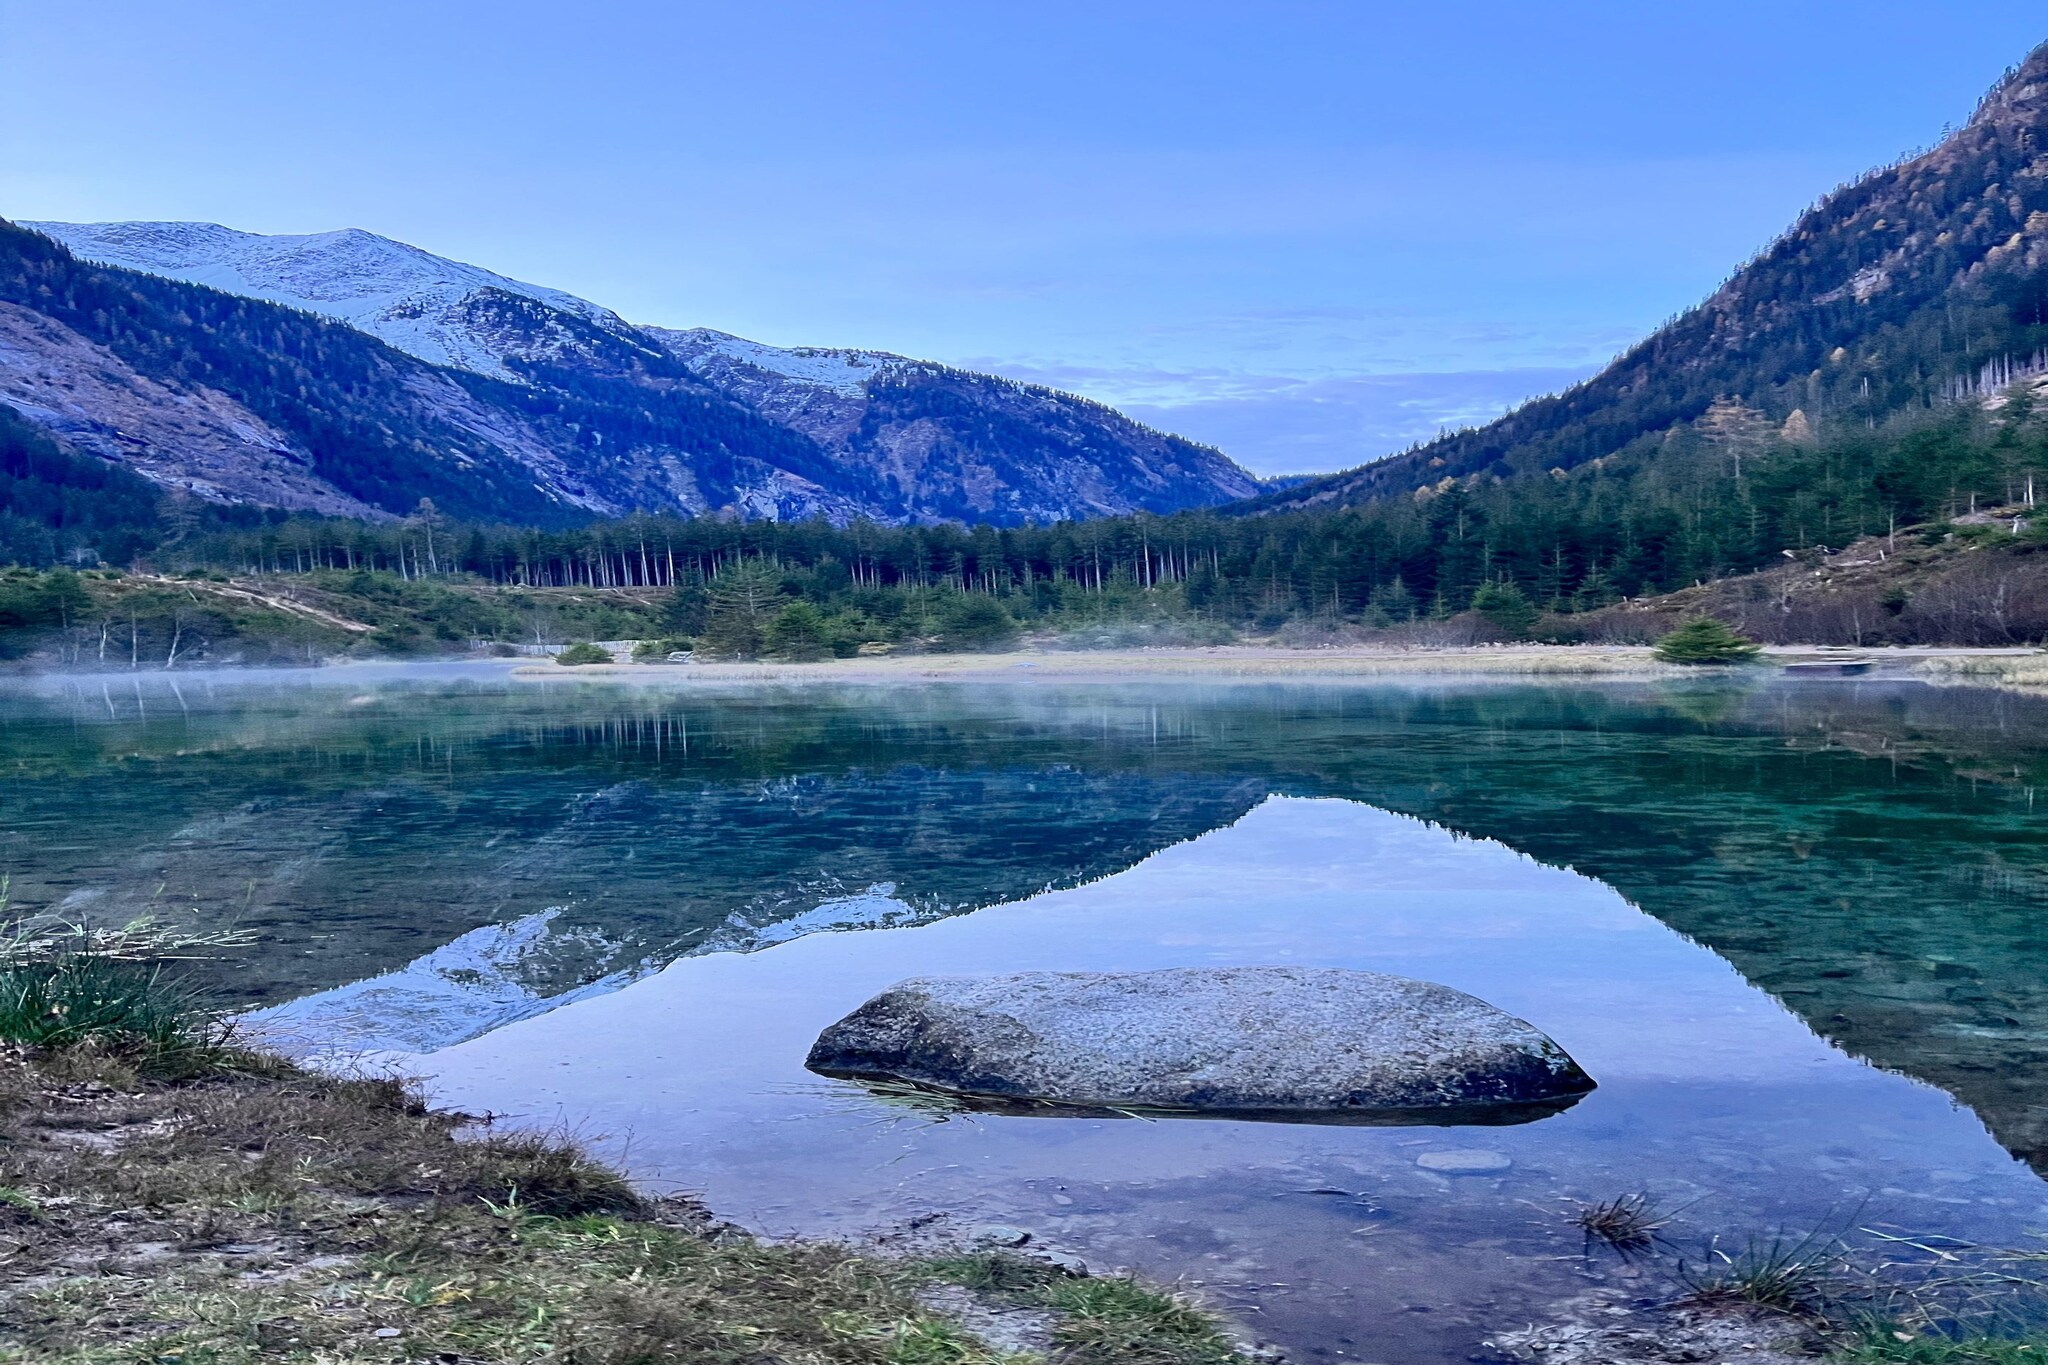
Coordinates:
[1729,494]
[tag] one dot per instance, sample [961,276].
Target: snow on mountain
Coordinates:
[413,300]
[692,419]
[430,306]
[842,371]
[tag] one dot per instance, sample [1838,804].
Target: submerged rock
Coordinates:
[1271,1042]
[1466,1161]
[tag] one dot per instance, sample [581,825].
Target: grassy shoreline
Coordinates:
[246,1211]
[104,621]
[1222,662]
[168,1196]
[250,1211]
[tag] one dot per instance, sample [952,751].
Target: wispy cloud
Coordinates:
[1269,351]
[1275,424]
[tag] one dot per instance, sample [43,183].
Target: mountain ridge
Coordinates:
[866,433]
[1834,319]
[398,293]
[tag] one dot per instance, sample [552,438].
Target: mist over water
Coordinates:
[1774,885]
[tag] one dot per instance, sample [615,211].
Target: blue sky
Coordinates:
[1308,232]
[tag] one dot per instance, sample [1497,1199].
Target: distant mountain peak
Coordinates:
[837,369]
[403,296]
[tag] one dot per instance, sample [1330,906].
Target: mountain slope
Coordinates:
[242,401]
[239,401]
[953,445]
[1922,282]
[770,432]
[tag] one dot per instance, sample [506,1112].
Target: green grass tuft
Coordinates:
[997,1272]
[132,1012]
[1884,1345]
[1788,1288]
[1123,1321]
[1789,1275]
[1104,1320]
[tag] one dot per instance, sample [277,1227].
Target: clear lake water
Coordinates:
[1798,931]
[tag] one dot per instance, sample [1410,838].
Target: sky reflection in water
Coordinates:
[1710,1091]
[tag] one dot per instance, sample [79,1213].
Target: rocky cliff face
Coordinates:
[607,417]
[1922,282]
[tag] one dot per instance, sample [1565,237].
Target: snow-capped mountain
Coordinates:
[425,305]
[610,417]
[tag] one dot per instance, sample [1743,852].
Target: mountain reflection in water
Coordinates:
[1868,853]
[1429,1237]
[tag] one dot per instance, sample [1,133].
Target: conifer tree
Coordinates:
[1703,640]
[740,603]
[798,633]
[1506,608]
[972,622]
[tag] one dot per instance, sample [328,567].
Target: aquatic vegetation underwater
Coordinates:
[1628,1222]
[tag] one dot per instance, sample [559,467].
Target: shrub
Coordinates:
[654,651]
[973,622]
[1703,640]
[850,630]
[1165,633]
[583,654]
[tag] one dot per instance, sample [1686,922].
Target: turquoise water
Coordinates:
[1796,931]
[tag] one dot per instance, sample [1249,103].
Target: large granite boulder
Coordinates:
[1300,1043]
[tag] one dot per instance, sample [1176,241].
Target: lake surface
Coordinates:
[1798,932]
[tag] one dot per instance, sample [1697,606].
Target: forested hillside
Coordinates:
[1917,533]
[1647,523]
[1946,495]
[56,506]
[337,405]
[1922,282]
